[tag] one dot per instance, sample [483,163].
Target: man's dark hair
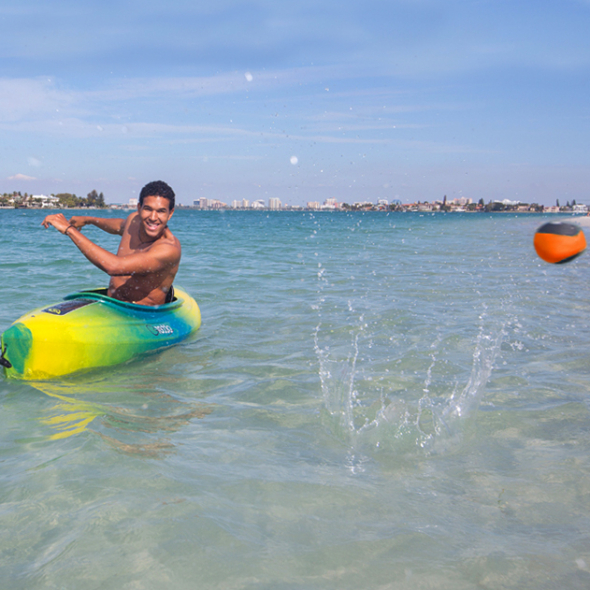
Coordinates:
[157,188]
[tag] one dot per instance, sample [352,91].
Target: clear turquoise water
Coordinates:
[373,401]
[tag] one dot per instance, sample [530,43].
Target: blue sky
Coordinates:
[396,99]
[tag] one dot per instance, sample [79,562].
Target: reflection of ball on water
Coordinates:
[559,242]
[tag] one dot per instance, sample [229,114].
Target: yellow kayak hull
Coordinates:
[88,329]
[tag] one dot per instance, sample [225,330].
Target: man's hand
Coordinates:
[78,221]
[59,222]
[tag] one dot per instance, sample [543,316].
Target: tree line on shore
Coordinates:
[61,200]
[481,206]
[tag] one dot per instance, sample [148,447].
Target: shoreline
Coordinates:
[308,210]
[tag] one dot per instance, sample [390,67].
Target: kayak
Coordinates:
[89,329]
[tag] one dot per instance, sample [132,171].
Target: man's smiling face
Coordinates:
[154,213]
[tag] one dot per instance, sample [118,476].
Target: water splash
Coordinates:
[382,394]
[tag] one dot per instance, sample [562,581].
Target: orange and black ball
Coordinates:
[559,242]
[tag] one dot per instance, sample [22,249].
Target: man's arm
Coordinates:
[155,259]
[108,224]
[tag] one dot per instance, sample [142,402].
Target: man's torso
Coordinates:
[149,288]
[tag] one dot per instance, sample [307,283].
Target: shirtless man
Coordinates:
[147,261]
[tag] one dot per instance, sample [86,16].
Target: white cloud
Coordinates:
[226,83]
[41,100]
[21,177]
[26,98]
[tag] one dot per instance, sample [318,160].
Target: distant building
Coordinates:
[460,201]
[425,206]
[205,203]
[313,205]
[274,204]
[46,201]
[364,205]
[258,204]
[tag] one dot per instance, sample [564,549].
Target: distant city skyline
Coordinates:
[458,204]
[399,100]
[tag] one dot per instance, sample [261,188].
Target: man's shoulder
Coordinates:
[168,243]
[169,239]
[128,223]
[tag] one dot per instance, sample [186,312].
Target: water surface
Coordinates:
[373,401]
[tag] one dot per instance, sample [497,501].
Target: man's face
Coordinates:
[154,214]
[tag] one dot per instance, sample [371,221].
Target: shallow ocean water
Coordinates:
[377,401]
